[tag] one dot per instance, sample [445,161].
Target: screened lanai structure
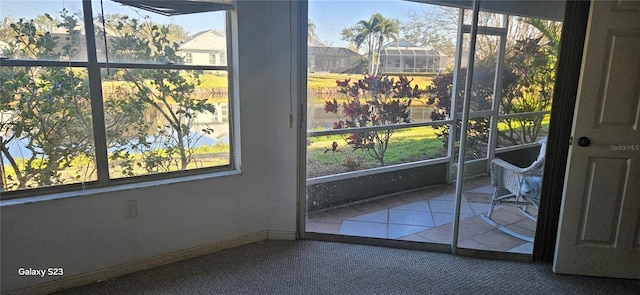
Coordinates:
[406,57]
[323,58]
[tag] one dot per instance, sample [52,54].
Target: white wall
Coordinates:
[88,233]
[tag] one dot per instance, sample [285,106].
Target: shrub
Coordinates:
[373,101]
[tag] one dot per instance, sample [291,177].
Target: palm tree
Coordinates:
[366,34]
[387,30]
[311,28]
[372,33]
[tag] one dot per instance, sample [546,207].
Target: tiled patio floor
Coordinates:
[427,215]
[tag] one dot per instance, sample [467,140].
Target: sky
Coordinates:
[329,16]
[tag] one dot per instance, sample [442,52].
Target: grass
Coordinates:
[408,145]
[213,87]
[200,161]
[405,145]
[215,80]
[325,83]
[328,81]
[203,156]
[82,168]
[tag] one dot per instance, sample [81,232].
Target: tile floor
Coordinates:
[427,215]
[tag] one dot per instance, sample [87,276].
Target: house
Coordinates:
[207,47]
[323,58]
[85,231]
[78,50]
[61,36]
[405,57]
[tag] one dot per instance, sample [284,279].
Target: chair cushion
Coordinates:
[530,186]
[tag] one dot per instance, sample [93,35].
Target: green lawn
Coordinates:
[82,168]
[216,80]
[328,81]
[405,145]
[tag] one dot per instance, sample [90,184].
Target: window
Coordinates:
[164,111]
[223,59]
[345,137]
[212,59]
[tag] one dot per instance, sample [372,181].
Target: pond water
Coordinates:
[218,122]
[18,147]
[318,119]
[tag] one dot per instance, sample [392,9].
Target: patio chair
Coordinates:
[517,185]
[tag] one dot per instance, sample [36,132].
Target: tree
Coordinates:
[46,23]
[363,34]
[527,86]
[6,33]
[439,95]
[48,110]
[166,92]
[311,27]
[532,61]
[372,101]
[372,34]
[387,30]
[434,27]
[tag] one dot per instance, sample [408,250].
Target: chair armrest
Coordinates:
[500,163]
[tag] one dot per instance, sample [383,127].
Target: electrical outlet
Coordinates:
[130,209]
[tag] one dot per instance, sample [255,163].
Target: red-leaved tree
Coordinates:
[373,101]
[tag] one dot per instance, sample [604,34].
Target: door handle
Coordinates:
[584,141]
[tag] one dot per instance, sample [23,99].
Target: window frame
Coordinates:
[94,68]
[188,58]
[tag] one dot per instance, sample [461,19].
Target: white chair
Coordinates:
[518,185]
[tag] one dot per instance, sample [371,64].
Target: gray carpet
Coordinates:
[314,267]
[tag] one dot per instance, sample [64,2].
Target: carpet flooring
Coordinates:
[315,267]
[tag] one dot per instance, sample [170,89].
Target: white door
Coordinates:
[599,232]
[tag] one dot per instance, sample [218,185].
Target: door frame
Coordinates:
[574,28]
[567,76]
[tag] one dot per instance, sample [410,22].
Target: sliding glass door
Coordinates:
[399,100]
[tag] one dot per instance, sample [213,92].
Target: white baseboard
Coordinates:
[119,270]
[281,235]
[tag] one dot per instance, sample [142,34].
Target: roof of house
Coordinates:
[331,51]
[208,40]
[405,47]
[314,41]
[317,47]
